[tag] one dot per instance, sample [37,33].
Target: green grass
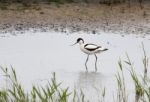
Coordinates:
[16,93]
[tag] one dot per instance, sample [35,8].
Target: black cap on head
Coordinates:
[79,40]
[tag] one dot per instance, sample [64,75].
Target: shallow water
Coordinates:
[36,55]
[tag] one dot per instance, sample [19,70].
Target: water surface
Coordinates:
[36,55]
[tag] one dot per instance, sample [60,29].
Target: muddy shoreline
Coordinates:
[69,18]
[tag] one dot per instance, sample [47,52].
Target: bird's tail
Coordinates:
[105,49]
[101,49]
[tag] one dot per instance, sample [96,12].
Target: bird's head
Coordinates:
[79,40]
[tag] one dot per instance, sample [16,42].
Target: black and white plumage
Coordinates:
[90,49]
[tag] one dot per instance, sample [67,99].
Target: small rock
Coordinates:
[93,32]
[41,12]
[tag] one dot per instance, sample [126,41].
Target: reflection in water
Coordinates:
[90,79]
[91,83]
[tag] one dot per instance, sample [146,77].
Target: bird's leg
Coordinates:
[95,63]
[86,63]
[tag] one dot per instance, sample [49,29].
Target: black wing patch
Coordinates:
[91,49]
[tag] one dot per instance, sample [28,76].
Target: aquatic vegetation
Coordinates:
[141,83]
[51,92]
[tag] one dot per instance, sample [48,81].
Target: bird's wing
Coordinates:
[91,47]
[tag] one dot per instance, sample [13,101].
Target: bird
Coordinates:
[90,49]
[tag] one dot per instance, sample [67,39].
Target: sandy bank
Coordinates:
[69,18]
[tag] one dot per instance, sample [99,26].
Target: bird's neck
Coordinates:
[81,42]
